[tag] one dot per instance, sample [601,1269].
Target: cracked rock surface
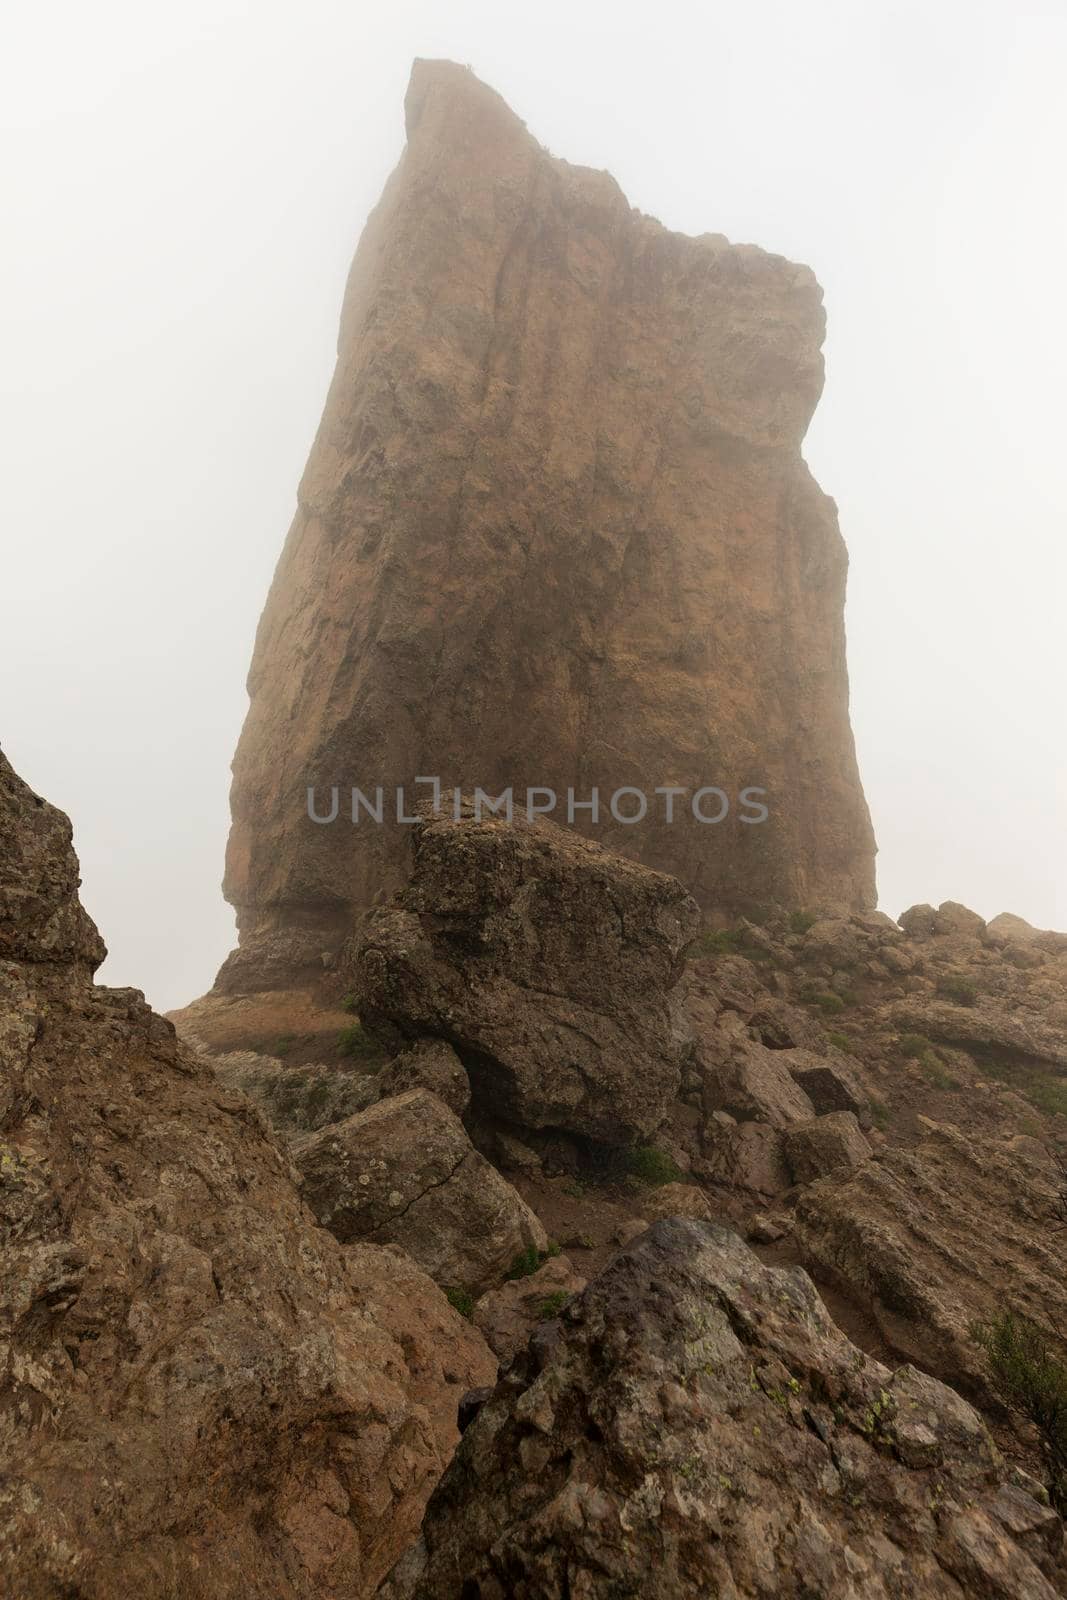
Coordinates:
[696,1425]
[405,1173]
[549,964]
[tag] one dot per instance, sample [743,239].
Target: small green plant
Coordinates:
[283,1045]
[524,1265]
[880,1114]
[357,1045]
[959,988]
[652,1166]
[1029,1376]
[527,1261]
[801,921]
[552,1305]
[840,1041]
[828,1001]
[913,1046]
[350,1004]
[460,1301]
[933,1070]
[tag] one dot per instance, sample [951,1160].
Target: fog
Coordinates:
[188,186]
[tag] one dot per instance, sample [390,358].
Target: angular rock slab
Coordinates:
[405,1173]
[934,1238]
[547,962]
[698,1427]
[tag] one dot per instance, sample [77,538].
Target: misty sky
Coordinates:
[187,187]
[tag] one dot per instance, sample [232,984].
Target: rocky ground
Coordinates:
[251,1301]
[881,1103]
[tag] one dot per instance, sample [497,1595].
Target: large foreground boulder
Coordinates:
[548,963]
[404,1172]
[698,1427]
[938,1237]
[201,1393]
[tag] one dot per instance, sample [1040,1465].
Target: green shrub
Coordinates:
[350,1003]
[955,986]
[933,1070]
[283,1045]
[460,1301]
[801,921]
[840,1041]
[652,1166]
[913,1046]
[880,1114]
[552,1305]
[829,1002]
[721,942]
[527,1261]
[357,1045]
[1028,1375]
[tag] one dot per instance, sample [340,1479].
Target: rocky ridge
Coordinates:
[201,1393]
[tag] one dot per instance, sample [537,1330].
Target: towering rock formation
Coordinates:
[556,530]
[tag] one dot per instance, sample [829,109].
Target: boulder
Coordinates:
[756,1084]
[988,1025]
[830,1083]
[405,1173]
[428,1064]
[547,963]
[508,1315]
[747,1156]
[830,1143]
[698,1425]
[202,1393]
[935,1238]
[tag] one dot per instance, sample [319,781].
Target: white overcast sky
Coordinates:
[183,191]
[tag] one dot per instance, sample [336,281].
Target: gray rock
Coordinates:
[404,1172]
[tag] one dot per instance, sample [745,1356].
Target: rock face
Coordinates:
[429,1064]
[201,1393]
[405,1173]
[556,530]
[546,962]
[941,1236]
[295,1100]
[699,1426]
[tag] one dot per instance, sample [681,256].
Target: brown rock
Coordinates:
[831,1084]
[507,1316]
[556,529]
[202,1393]
[675,1200]
[405,1173]
[828,1144]
[755,1083]
[295,1099]
[428,1064]
[700,1426]
[938,1237]
[41,917]
[748,1156]
[1028,1033]
[548,963]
